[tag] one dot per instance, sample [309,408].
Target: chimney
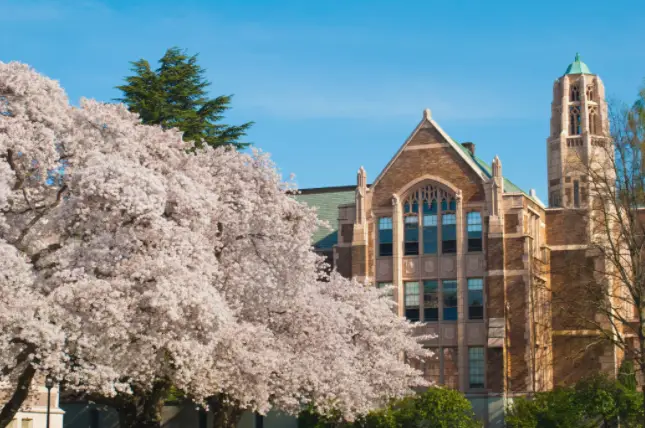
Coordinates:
[470,147]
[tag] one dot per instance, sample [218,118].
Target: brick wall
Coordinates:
[566,227]
[441,161]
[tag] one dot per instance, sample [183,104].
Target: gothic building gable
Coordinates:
[429,152]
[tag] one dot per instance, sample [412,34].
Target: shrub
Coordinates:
[434,408]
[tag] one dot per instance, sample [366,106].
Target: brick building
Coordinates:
[476,259]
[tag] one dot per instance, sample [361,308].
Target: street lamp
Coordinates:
[49,383]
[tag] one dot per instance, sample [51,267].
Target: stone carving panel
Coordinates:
[475,265]
[430,266]
[410,267]
[431,330]
[384,270]
[448,266]
[476,334]
[449,334]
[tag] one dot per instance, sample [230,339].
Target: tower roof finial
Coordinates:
[577,66]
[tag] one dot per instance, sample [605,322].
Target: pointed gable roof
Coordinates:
[427,119]
[479,166]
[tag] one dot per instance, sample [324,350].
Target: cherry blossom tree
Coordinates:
[162,267]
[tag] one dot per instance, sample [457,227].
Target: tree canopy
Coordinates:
[151,267]
[175,96]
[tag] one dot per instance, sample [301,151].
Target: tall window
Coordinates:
[450,369]
[449,289]
[476,367]
[430,227]
[422,233]
[382,285]
[95,418]
[448,227]
[554,198]
[590,93]
[430,301]
[575,93]
[411,221]
[432,367]
[475,299]
[385,236]
[474,231]
[574,121]
[593,120]
[576,194]
[412,301]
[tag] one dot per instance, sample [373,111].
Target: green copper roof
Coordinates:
[509,186]
[326,200]
[577,67]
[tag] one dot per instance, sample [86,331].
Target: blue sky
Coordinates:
[333,85]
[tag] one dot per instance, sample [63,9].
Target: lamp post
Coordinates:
[49,383]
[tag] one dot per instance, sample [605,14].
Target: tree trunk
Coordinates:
[18,397]
[143,409]
[225,413]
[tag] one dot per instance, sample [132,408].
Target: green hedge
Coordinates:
[434,408]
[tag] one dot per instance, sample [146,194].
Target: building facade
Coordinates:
[475,259]
[469,255]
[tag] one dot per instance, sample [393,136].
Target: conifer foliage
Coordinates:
[175,96]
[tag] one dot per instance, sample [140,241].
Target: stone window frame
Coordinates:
[574,93]
[478,386]
[440,300]
[483,299]
[377,240]
[594,120]
[418,298]
[426,193]
[576,194]
[481,230]
[440,355]
[590,92]
[575,120]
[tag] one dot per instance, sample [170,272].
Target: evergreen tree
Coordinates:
[175,95]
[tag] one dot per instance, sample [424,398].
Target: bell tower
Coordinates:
[578,124]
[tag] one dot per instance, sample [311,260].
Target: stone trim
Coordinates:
[426,146]
[569,247]
[505,272]
[575,333]
[427,177]
[427,118]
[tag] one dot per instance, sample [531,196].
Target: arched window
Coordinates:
[593,120]
[590,93]
[437,208]
[574,121]
[574,93]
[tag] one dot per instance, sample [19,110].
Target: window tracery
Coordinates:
[593,120]
[574,93]
[590,93]
[575,124]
